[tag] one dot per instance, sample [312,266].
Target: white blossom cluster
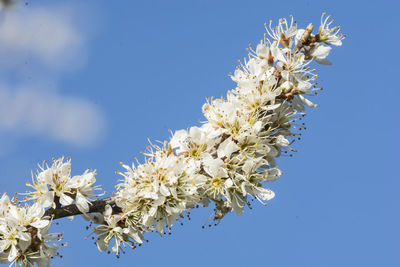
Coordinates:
[54,186]
[231,156]
[24,236]
[226,161]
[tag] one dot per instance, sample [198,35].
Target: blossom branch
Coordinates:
[225,161]
[97,206]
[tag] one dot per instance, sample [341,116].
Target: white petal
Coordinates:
[237,204]
[36,210]
[159,201]
[136,237]
[40,224]
[178,138]
[282,141]
[307,102]
[212,166]
[164,190]
[47,199]
[299,35]
[257,126]
[277,54]
[24,244]
[271,107]
[226,148]
[334,40]
[24,236]
[66,200]
[81,203]
[107,210]
[285,75]
[3,245]
[264,193]
[248,166]
[195,134]
[101,245]
[243,187]
[160,227]
[262,50]
[13,253]
[323,61]
[272,175]
[291,31]
[228,183]
[321,52]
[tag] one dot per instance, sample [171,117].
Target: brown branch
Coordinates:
[71,210]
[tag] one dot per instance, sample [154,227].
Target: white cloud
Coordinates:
[71,120]
[44,42]
[46,34]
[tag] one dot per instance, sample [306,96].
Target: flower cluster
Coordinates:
[230,157]
[54,186]
[24,237]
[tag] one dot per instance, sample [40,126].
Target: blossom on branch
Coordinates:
[54,186]
[24,234]
[230,157]
[225,162]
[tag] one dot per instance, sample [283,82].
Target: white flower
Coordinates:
[194,143]
[329,35]
[108,231]
[283,32]
[56,182]
[24,237]
[30,216]
[116,229]
[219,180]
[292,67]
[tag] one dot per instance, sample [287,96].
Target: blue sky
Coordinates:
[93,81]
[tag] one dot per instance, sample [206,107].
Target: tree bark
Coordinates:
[71,210]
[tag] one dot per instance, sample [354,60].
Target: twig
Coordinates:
[71,210]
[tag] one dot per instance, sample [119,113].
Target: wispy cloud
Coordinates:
[48,114]
[53,43]
[47,34]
